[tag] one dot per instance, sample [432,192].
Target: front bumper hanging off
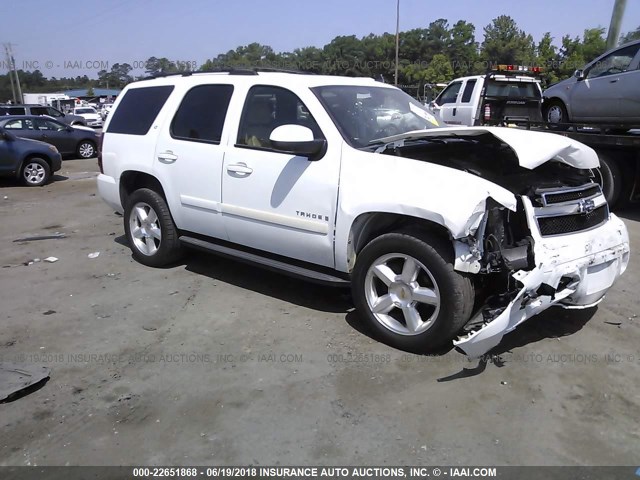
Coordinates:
[574,271]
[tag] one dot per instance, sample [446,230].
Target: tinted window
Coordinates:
[512,89]
[269,107]
[449,94]
[201,114]
[39,111]
[468,91]
[138,109]
[13,111]
[52,112]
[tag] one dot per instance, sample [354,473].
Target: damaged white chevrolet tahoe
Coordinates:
[442,233]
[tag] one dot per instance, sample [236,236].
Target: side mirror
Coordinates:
[69,129]
[579,74]
[297,140]
[8,136]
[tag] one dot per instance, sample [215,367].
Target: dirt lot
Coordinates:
[213,362]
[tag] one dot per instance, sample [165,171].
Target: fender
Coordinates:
[451,198]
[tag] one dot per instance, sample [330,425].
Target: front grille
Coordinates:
[560,197]
[572,223]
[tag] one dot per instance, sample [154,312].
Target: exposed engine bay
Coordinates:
[521,259]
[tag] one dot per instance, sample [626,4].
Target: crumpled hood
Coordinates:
[532,148]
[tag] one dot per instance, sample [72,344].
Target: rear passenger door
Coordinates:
[189,158]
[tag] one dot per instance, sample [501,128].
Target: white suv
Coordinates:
[440,232]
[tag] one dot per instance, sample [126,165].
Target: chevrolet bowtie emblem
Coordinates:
[586,206]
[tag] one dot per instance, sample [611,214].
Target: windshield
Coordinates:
[364,114]
[85,110]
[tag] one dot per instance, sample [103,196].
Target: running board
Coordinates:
[266,262]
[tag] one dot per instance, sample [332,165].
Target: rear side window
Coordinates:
[138,109]
[39,111]
[468,91]
[201,114]
[13,111]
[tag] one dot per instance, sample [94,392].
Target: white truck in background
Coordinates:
[512,96]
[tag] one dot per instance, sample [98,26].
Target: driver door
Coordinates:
[273,201]
[446,104]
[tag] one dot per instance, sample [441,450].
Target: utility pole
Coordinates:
[12,64]
[616,21]
[9,72]
[397,39]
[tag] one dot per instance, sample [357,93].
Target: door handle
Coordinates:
[454,111]
[614,80]
[240,168]
[167,157]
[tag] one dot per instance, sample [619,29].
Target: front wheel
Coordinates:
[152,235]
[35,172]
[555,114]
[405,287]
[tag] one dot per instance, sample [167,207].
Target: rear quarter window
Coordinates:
[138,109]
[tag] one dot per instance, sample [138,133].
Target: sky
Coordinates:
[71,38]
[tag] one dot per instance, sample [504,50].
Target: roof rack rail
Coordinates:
[231,71]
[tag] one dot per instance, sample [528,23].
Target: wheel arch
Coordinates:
[132,180]
[32,155]
[549,100]
[367,226]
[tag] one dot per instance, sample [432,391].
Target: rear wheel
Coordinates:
[405,287]
[35,172]
[86,149]
[152,235]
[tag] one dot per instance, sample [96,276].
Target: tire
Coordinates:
[86,149]
[609,177]
[150,231]
[35,172]
[554,113]
[438,299]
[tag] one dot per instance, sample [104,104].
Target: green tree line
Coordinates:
[435,54]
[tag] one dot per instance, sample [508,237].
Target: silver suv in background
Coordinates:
[67,118]
[607,90]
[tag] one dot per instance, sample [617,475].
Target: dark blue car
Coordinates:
[29,160]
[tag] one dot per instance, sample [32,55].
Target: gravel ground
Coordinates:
[214,362]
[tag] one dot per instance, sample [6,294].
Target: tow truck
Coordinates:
[511,95]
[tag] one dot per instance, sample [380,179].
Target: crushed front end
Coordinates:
[562,247]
